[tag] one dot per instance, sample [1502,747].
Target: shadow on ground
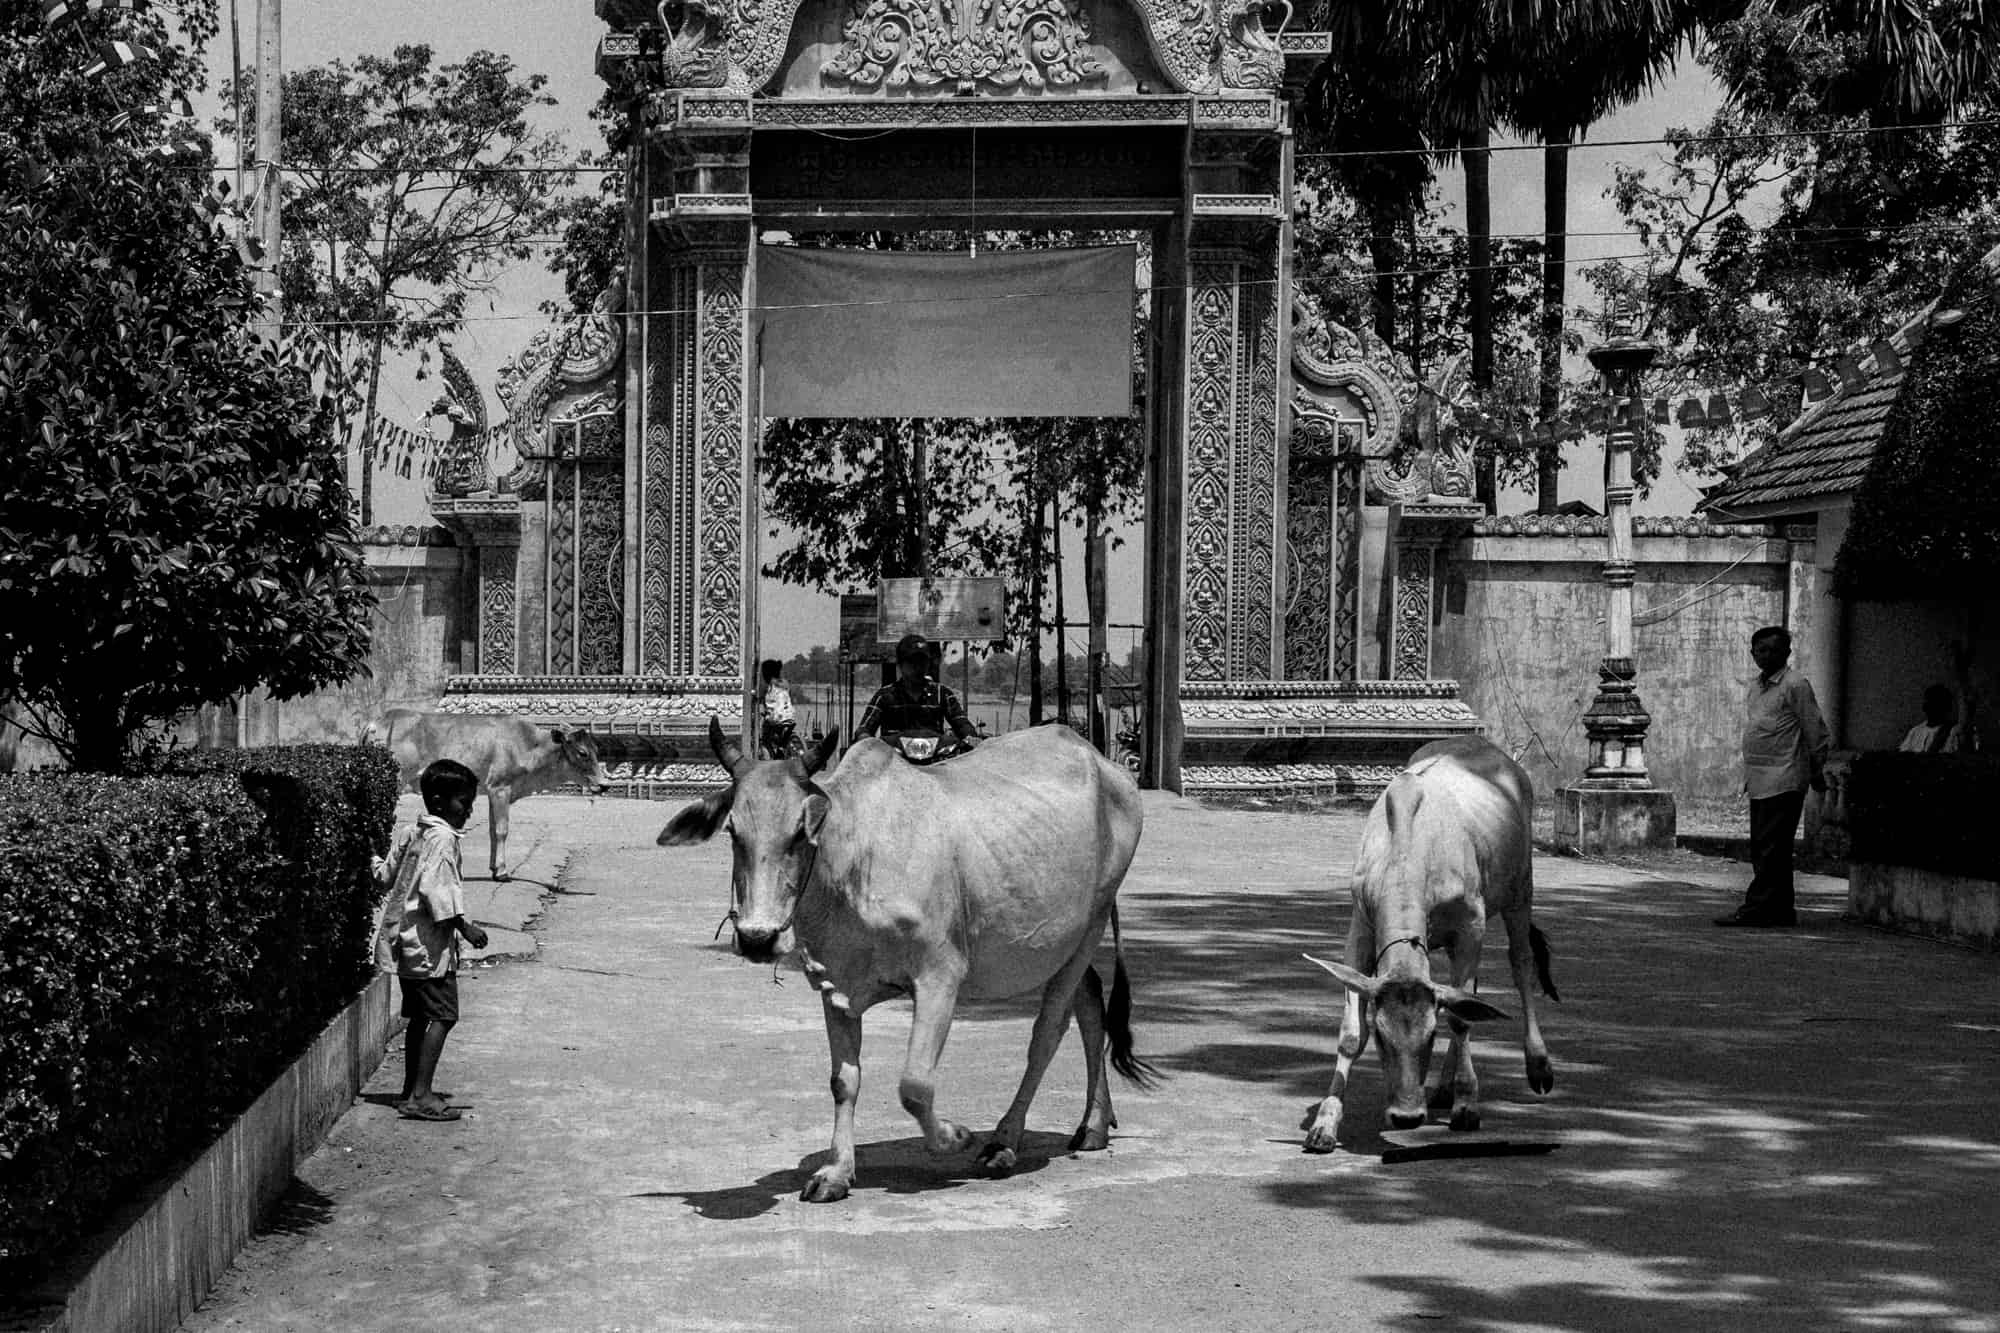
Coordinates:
[890,1167]
[1765,1126]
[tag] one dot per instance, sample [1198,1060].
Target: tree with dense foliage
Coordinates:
[1868,204]
[1926,521]
[408,190]
[174,526]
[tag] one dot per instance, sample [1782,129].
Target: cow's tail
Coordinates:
[1118,1018]
[1538,944]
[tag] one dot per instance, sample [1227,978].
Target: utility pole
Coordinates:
[270,153]
[251,710]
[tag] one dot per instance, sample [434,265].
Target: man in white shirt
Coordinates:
[1785,744]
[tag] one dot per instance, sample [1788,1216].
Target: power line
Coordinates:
[598,168]
[1847,132]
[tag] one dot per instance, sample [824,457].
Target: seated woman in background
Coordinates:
[1938,733]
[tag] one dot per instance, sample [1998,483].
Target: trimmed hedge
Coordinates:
[168,944]
[1925,810]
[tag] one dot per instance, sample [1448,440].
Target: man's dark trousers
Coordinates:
[1774,822]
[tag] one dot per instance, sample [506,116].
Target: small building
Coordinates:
[1869,659]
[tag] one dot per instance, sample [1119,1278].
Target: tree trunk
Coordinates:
[1094,595]
[1383,256]
[1555,253]
[368,431]
[97,736]
[1479,298]
[1035,634]
[1062,621]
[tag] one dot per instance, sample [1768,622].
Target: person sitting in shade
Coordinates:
[1939,732]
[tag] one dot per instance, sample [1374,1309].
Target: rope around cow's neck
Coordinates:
[803,883]
[1417,940]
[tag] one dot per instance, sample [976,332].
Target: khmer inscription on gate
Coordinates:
[1132,162]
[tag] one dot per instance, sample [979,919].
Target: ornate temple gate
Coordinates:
[619,566]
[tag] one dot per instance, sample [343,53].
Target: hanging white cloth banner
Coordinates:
[887,333]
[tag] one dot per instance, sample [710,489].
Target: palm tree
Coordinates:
[1574,62]
[1414,75]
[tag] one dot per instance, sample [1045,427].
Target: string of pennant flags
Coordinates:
[1713,407]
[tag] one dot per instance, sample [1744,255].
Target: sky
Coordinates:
[559,40]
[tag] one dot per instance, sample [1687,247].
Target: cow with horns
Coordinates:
[992,875]
[1447,845]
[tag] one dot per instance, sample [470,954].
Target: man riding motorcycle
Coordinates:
[914,712]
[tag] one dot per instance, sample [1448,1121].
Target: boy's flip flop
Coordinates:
[411,1111]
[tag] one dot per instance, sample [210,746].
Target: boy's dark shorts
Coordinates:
[433,999]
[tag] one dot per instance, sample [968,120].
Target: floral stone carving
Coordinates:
[1005,43]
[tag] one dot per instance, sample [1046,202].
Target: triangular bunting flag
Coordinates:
[1660,415]
[1849,370]
[1886,360]
[1754,404]
[1718,411]
[1817,385]
[1691,413]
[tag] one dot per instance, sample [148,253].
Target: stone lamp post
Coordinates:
[1615,807]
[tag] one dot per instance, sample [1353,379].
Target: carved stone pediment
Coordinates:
[957,46]
[966,43]
[1341,374]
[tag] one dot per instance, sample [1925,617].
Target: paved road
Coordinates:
[1775,1130]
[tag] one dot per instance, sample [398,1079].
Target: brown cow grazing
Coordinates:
[1447,844]
[991,875]
[513,758]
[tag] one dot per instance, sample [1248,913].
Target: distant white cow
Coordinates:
[1447,843]
[512,758]
[991,875]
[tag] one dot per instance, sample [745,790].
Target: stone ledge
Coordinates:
[158,1258]
[1929,903]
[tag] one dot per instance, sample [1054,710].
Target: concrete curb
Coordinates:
[157,1259]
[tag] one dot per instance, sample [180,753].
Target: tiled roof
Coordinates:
[1825,452]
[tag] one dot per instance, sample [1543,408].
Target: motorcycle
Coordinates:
[921,749]
[780,740]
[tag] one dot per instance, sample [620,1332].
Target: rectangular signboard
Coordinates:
[857,627]
[943,608]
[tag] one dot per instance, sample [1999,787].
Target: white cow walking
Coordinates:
[512,758]
[991,875]
[1447,844]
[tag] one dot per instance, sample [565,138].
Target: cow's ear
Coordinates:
[698,822]
[1347,976]
[813,816]
[1467,1007]
[557,735]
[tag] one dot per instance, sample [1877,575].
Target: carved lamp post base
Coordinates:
[1615,808]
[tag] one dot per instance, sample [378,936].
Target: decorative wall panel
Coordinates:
[600,569]
[1309,575]
[1210,416]
[1410,648]
[1254,582]
[499,566]
[723,436]
[562,568]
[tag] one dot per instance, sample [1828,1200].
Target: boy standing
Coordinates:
[423,917]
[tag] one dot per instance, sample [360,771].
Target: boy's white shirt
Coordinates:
[395,931]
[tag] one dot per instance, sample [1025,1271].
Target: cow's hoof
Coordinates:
[1465,1118]
[824,1187]
[951,1138]
[1087,1139]
[1322,1139]
[1541,1075]
[996,1159]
